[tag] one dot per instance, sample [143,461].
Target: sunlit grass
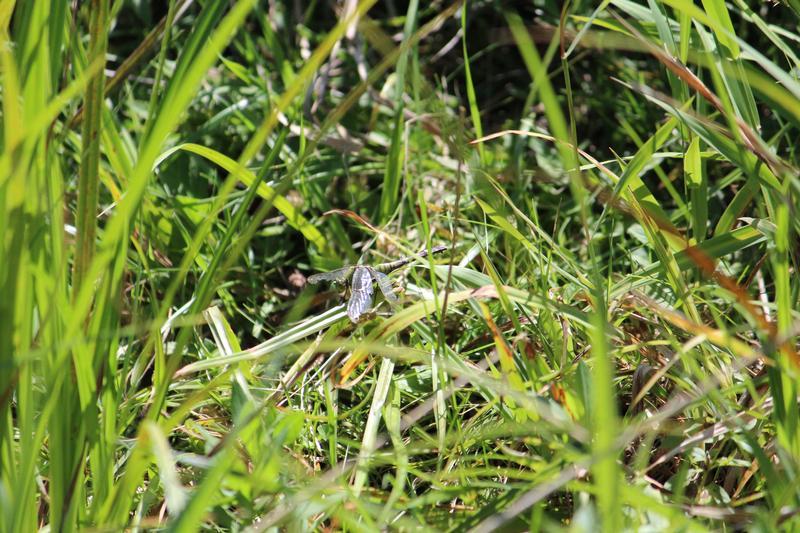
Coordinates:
[609,341]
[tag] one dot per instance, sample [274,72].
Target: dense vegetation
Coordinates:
[608,341]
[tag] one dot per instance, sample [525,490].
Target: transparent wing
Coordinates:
[385,284]
[360,302]
[339,275]
[360,293]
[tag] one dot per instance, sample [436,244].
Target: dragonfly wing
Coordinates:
[385,284]
[360,293]
[339,275]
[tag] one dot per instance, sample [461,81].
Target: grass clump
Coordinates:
[609,339]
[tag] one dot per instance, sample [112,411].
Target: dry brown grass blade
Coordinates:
[705,263]
[751,139]
[354,216]
[504,351]
[720,338]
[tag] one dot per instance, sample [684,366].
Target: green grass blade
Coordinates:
[88,184]
[394,166]
[474,110]
[248,178]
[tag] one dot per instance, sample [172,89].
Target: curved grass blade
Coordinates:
[293,217]
[271,346]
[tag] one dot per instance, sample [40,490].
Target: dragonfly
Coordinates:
[362,277]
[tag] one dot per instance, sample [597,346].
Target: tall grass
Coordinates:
[610,341]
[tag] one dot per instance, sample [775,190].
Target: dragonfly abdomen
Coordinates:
[394,265]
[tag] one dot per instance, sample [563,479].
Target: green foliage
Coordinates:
[610,338]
